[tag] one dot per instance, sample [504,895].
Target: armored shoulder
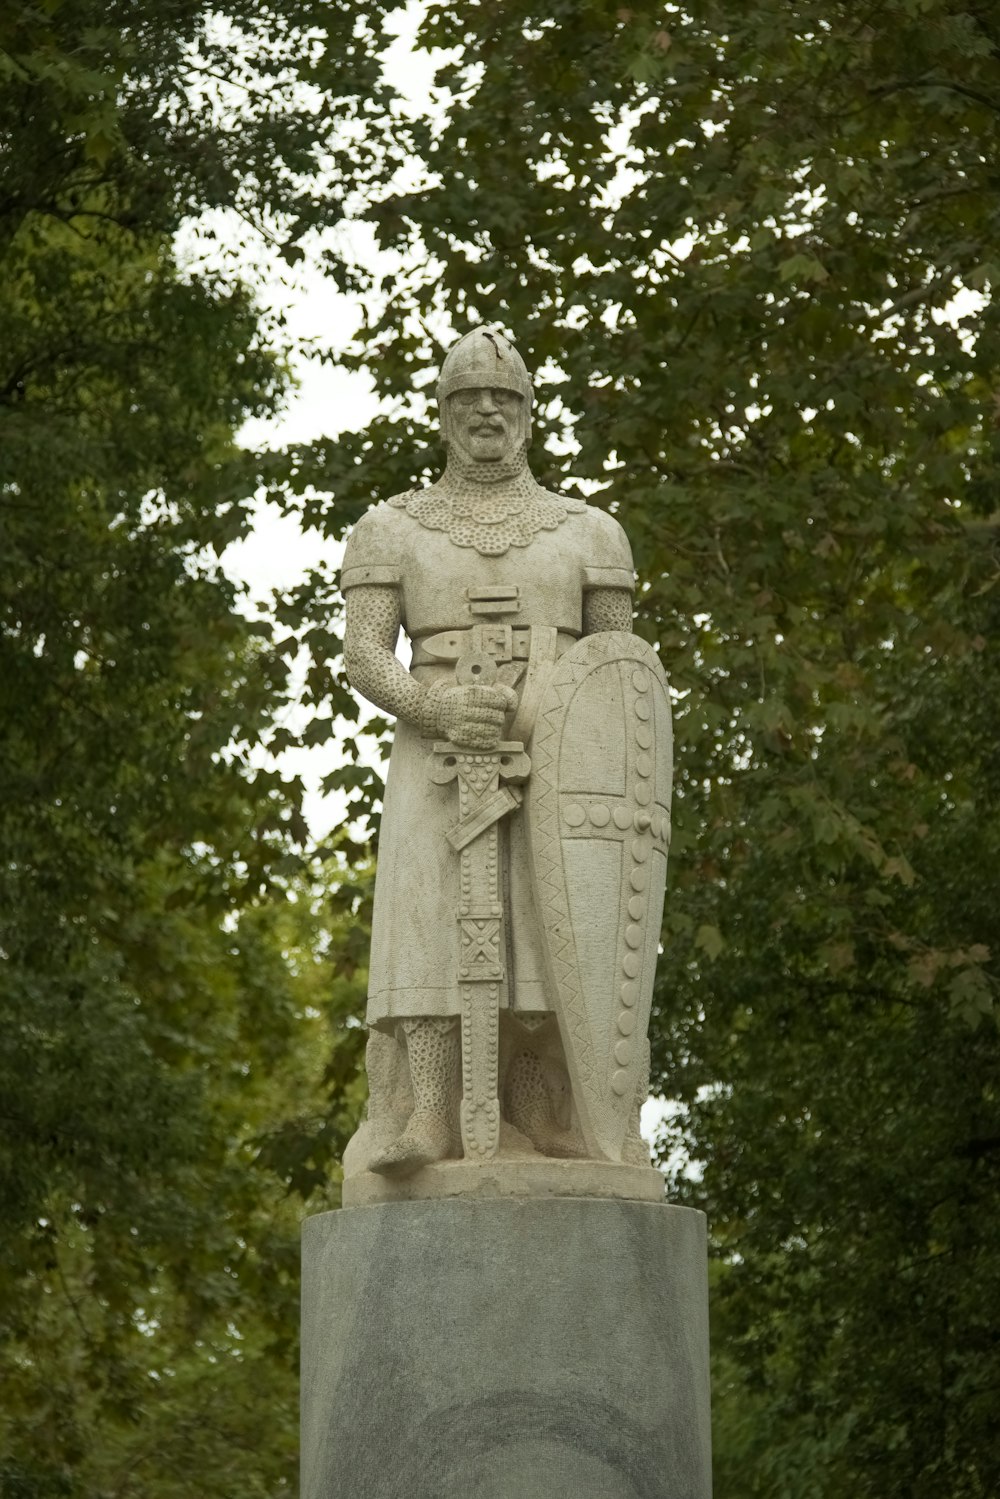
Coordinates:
[374,551]
[608,561]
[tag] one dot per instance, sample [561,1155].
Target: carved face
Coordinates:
[485,424]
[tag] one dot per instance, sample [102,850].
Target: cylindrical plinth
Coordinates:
[505,1350]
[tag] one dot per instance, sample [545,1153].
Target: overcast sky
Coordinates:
[325,399]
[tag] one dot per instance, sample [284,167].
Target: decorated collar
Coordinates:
[492,516]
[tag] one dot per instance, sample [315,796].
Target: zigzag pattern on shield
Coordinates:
[598,813]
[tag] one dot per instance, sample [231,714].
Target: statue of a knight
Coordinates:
[532,902]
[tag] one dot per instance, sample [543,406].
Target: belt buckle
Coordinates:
[494,640]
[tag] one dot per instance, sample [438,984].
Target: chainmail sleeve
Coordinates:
[371,580]
[607,609]
[370,636]
[608,577]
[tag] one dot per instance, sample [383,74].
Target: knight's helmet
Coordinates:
[484,356]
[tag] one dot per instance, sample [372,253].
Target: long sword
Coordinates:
[487,792]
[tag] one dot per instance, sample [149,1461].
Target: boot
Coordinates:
[431,1134]
[529,1107]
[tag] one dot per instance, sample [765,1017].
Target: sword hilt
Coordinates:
[459,761]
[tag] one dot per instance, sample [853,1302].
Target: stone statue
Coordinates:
[524,837]
[553,1339]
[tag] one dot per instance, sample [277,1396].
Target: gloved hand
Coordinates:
[473,716]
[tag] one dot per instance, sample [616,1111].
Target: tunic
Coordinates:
[448,587]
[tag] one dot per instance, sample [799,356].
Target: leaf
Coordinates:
[971,995]
[802,268]
[709,939]
[898,867]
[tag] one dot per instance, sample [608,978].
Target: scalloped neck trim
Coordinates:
[488,517]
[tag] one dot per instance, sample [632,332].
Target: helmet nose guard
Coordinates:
[483,357]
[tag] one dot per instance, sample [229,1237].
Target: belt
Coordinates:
[502,642]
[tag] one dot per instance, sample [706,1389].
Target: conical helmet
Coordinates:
[485,356]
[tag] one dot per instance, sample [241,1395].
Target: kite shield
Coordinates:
[598,814]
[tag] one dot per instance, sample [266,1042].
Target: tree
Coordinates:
[731,240]
[154,1011]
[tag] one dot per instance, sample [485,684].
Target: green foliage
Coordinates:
[161,1019]
[730,238]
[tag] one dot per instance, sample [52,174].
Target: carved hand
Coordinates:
[474,716]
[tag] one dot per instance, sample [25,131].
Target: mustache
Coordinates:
[489,425]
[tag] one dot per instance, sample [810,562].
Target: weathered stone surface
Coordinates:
[508,1177]
[526,821]
[505,1350]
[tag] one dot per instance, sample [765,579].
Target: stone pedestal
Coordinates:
[505,1349]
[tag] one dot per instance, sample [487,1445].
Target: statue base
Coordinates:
[537,1177]
[506,1349]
